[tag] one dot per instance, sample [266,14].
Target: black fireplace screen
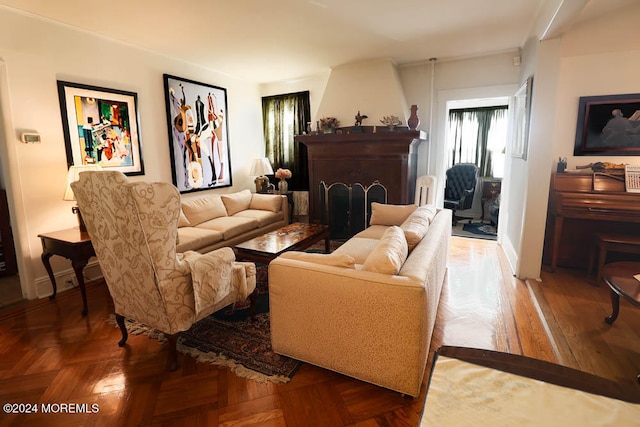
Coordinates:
[346,208]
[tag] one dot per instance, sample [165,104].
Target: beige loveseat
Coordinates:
[212,221]
[367,310]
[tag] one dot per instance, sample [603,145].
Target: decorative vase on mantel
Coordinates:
[283,186]
[414,120]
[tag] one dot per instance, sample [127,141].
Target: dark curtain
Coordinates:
[283,117]
[483,116]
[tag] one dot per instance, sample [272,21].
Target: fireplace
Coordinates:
[346,208]
[388,157]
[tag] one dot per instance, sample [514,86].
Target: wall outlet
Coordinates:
[71,281]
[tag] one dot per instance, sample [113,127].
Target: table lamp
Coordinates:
[259,168]
[72,176]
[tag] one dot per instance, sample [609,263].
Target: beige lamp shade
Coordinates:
[74,175]
[260,167]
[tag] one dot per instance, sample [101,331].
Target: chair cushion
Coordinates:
[265,202]
[382,214]
[201,209]
[389,254]
[334,259]
[236,202]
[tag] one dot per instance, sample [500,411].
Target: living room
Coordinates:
[594,56]
[32,65]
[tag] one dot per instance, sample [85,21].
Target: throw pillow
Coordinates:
[416,225]
[265,202]
[201,209]
[389,254]
[236,202]
[382,214]
[336,260]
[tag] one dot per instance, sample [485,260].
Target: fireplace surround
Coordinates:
[388,157]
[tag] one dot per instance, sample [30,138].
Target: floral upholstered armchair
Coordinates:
[133,228]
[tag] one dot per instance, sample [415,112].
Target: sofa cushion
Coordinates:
[263,217]
[236,202]
[382,214]
[373,232]
[193,238]
[389,254]
[265,202]
[182,220]
[230,226]
[201,209]
[358,247]
[416,225]
[334,259]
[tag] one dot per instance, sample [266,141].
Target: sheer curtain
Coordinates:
[478,135]
[285,116]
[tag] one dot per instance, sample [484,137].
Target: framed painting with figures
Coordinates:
[198,134]
[608,125]
[101,127]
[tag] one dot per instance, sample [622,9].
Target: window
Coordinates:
[478,135]
[284,117]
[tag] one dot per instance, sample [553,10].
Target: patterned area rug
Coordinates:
[231,338]
[478,230]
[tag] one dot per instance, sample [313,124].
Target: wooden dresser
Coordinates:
[350,158]
[581,205]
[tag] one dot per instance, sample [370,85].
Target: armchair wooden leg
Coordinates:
[173,352]
[253,298]
[123,329]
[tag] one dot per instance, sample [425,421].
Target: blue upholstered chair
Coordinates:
[460,188]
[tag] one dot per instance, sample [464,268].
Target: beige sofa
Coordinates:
[212,221]
[367,310]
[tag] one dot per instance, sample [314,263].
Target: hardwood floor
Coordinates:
[50,354]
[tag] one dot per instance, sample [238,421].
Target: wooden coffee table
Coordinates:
[293,237]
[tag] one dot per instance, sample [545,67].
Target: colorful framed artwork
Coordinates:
[608,126]
[198,134]
[522,109]
[101,127]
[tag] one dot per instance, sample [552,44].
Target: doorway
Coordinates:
[10,285]
[476,132]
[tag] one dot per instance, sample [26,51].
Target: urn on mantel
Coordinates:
[414,120]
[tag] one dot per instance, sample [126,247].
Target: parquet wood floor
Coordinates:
[50,354]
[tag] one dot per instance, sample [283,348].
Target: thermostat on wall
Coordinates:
[28,137]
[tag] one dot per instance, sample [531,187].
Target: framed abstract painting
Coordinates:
[608,125]
[198,134]
[101,127]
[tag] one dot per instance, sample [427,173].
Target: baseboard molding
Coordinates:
[510,253]
[66,279]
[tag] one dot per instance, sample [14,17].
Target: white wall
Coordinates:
[484,77]
[595,57]
[34,54]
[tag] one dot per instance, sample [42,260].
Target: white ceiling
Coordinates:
[273,40]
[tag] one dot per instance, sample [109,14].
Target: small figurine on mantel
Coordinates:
[357,128]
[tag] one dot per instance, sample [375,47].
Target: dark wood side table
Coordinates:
[490,191]
[74,245]
[625,243]
[619,276]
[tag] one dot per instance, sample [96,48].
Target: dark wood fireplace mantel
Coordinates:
[389,157]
